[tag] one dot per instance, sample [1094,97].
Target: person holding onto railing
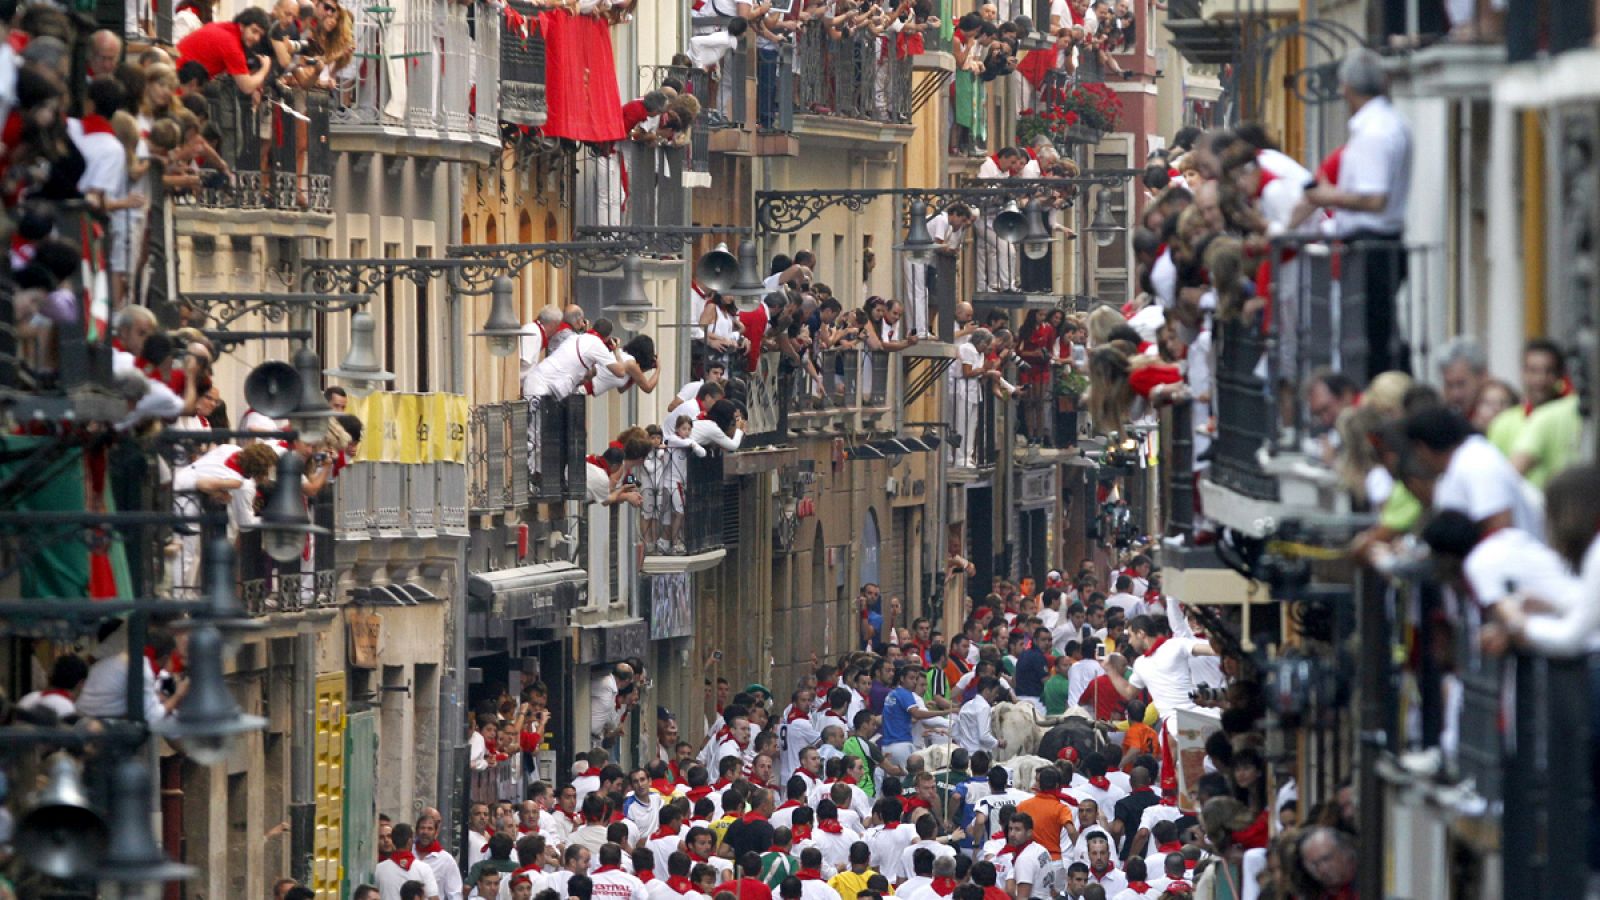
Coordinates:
[1127,387]
[948,228]
[222,46]
[720,426]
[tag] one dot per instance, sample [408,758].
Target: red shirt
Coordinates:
[633,114]
[218,46]
[1101,696]
[755,329]
[746,889]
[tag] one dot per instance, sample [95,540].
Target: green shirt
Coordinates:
[1503,429]
[775,867]
[1057,690]
[1551,437]
[1402,511]
[853,747]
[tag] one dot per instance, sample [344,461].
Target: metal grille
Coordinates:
[731,519]
[703,504]
[1244,413]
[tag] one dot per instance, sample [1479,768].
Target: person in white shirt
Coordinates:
[889,839]
[797,733]
[947,230]
[722,427]
[611,882]
[1162,668]
[403,866]
[926,841]
[531,346]
[1001,794]
[1029,870]
[105,691]
[707,50]
[446,873]
[996,259]
[676,886]
[972,729]
[813,874]
[575,861]
[488,885]
[683,403]
[1125,599]
[1082,672]
[831,838]
[1472,475]
[1369,200]
[568,366]
[67,676]
[1102,870]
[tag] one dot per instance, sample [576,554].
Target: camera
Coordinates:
[213,180]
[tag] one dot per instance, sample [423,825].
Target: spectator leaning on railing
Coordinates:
[225,48]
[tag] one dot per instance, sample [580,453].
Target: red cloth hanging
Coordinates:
[580,78]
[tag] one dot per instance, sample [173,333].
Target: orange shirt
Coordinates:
[1050,816]
[1140,736]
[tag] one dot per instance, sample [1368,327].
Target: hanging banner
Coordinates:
[412,428]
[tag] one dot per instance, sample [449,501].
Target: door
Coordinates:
[360,801]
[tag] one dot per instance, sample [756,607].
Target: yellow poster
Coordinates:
[412,428]
[410,414]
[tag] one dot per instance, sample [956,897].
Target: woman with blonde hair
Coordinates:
[1127,387]
[1102,321]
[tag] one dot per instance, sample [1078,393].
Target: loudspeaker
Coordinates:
[1010,224]
[273,389]
[62,836]
[718,270]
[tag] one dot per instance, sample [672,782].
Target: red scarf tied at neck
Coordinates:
[1139,887]
[808,875]
[680,884]
[663,833]
[831,826]
[801,833]
[1100,782]
[944,886]
[403,859]
[431,849]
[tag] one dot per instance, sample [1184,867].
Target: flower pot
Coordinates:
[1080,134]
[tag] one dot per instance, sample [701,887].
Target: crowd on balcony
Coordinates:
[1021,756]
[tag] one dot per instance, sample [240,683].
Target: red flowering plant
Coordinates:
[1092,106]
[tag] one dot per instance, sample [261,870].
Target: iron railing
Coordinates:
[277,152]
[1245,412]
[555,440]
[268,586]
[845,379]
[400,500]
[427,68]
[859,76]
[497,456]
[703,503]
[1047,417]
[632,185]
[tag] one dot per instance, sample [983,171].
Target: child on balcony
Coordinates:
[667,469]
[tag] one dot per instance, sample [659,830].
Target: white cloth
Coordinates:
[105,161]
[605,380]
[1032,866]
[1562,635]
[612,883]
[1165,674]
[446,874]
[1376,160]
[105,691]
[707,50]
[972,729]
[530,352]
[887,844]
[60,704]
[1079,675]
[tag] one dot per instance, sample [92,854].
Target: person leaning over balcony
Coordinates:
[571,364]
[1369,199]
[330,47]
[721,426]
[639,370]
[1471,476]
[222,47]
[1126,387]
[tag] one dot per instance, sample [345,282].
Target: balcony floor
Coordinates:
[672,565]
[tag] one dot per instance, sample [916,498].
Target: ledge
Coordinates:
[215,221]
[757,460]
[399,141]
[849,133]
[1451,70]
[934,61]
[930,348]
[1014,300]
[670,565]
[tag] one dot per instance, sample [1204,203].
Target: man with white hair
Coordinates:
[1369,199]
[105,52]
[531,346]
[1463,370]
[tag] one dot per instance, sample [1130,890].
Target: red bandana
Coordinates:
[1170,847]
[431,849]
[680,884]
[1157,645]
[890,826]
[1102,873]
[663,833]
[1139,887]
[645,875]
[788,804]
[1171,800]
[796,714]
[1180,886]
[592,772]
[808,875]
[607,869]
[1101,782]
[776,849]
[831,826]
[696,793]
[403,859]
[800,833]
[662,786]
[943,886]
[1008,850]
[96,125]
[699,859]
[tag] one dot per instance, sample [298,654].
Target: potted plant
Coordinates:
[1074,114]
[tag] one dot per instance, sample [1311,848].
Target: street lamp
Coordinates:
[133,856]
[360,369]
[1036,243]
[748,290]
[918,244]
[1009,223]
[1103,227]
[284,523]
[311,416]
[717,270]
[632,308]
[61,835]
[207,718]
[502,328]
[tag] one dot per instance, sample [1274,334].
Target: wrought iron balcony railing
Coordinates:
[855,77]
[556,458]
[974,437]
[845,380]
[426,69]
[400,500]
[277,153]
[522,99]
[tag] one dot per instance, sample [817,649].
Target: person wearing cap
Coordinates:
[901,709]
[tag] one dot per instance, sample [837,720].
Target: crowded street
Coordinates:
[799,450]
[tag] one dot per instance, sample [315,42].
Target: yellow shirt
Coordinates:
[849,884]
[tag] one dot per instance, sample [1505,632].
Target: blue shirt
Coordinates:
[897,716]
[1032,670]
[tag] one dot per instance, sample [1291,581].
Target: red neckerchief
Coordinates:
[1157,645]
[524,829]
[592,772]
[1179,885]
[754,817]
[1170,847]
[431,849]
[572,817]
[800,833]
[1565,389]
[916,803]
[776,849]
[383,856]
[601,462]
[645,875]
[603,869]
[1144,790]
[680,884]
[696,858]
[531,867]
[721,783]
[696,793]
[890,826]
[663,833]
[677,775]
[796,714]
[1066,798]
[998,836]
[95,124]
[1266,179]
[1139,887]
[1170,801]
[788,804]
[849,779]
[1189,864]
[1100,782]
[1008,850]
[830,826]
[56,692]
[808,875]
[403,858]
[1098,876]
[944,886]
[662,786]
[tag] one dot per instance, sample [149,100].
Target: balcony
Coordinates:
[427,82]
[1201,40]
[848,393]
[497,457]
[634,186]
[392,501]
[974,435]
[556,471]
[522,100]
[280,180]
[267,586]
[684,513]
[855,88]
[1049,414]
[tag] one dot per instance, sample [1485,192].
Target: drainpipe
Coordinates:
[303,760]
[453,680]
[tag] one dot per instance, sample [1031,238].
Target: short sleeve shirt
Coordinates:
[1165,674]
[897,715]
[1033,866]
[570,364]
[1551,437]
[218,46]
[1481,482]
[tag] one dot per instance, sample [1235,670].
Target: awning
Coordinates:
[540,595]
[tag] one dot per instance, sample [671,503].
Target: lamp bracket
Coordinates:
[366,276]
[221,309]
